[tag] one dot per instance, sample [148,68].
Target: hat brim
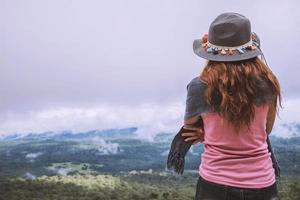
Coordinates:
[200,51]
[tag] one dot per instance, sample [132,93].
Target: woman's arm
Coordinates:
[190,123]
[195,105]
[194,123]
[271,117]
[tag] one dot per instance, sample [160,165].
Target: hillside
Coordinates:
[112,164]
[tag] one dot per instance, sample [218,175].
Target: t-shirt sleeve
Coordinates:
[195,99]
[264,92]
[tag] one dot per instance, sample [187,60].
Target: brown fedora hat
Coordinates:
[229,39]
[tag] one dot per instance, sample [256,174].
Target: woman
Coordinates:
[236,97]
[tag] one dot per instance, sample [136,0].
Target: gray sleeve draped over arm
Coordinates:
[195,99]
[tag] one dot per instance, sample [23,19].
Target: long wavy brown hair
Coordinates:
[232,88]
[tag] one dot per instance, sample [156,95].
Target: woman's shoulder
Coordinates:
[196,83]
[264,91]
[196,103]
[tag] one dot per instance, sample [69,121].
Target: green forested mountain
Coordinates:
[97,166]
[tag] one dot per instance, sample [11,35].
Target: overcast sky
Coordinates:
[95,64]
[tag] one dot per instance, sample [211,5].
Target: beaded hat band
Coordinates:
[227,50]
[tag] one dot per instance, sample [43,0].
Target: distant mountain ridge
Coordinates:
[64,135]
[291,130]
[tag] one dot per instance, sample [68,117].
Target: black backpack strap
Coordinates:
[273,157]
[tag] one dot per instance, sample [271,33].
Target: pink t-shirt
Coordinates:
[240,161]
[236,160]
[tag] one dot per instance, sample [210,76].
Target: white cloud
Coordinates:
[29,175]
[165,153]
[286,123]
[106,147]
[290,111]
[150,119]
[33,155]
[63,171]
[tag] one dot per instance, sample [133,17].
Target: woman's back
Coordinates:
[240,160]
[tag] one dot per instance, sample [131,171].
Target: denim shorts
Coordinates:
[207,190]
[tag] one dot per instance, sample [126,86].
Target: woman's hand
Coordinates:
[196,136]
